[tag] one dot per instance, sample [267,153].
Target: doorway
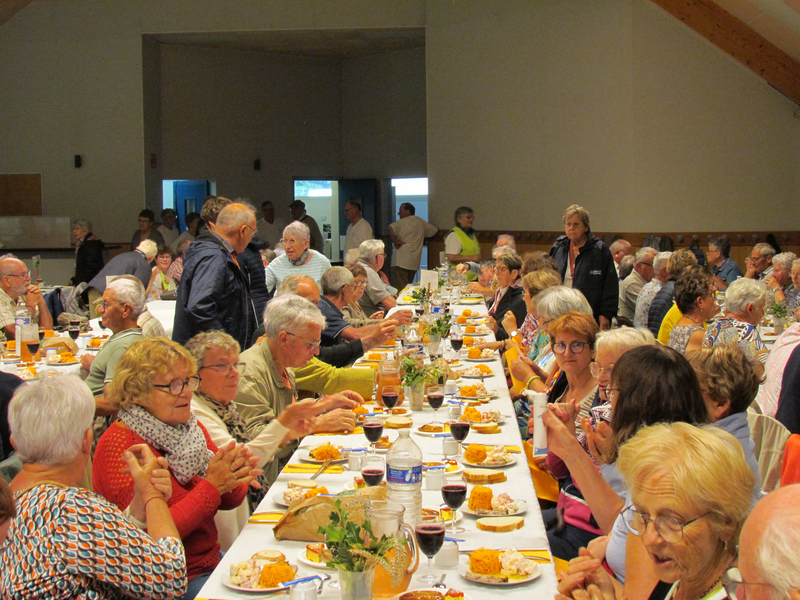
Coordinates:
[413,190]
[186,196]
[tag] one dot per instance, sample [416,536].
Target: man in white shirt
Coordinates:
[167,229]
[359,230]
[407,235]
[619,250]
[270,228]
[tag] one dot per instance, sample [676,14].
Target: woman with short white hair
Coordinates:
[66,541]
[298,258]
[744,309]
[378,294]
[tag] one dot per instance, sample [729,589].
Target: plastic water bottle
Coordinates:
[404,476]
[21,319]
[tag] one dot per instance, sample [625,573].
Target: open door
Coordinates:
[365,190]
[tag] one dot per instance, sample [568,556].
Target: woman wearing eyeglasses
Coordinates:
[217,357]
[153,384]
[690,492]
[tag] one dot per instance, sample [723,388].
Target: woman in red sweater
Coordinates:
[153,385]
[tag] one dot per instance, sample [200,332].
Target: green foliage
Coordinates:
[420,296]
[779,310]
[413,374]
[441,326]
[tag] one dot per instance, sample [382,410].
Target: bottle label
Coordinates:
[22,321]
[408,475]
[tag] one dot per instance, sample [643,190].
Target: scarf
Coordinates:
[498,295]
[302,259]
[183,446]
[235,424]
[528,330]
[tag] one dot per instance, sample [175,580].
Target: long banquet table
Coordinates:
[258,536]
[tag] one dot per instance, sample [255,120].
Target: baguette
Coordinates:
[500,524]
[485,578]
[484,476]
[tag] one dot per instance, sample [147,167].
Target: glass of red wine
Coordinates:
[459,430]
[435,399]
[373,429]
[457,342]
[429,531]
[373,468]
[454,492]
[41,334]
[33,348]
[390,395]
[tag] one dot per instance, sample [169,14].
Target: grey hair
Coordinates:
[619,245]
[149,248]
[784,260]
[623,339]
[559,300]
[742,292]
[626,265]
[509,238]
[290,313]
[582,214]
[776,554]
[231,218]
[498,251]
[369,249]
[297,228]
[181,249]
[6,262]
[289,285]
[795,262]
[661,260]
[643,253]
[83,224]
[334,279]
[764,249]
[128,291]
[202,343]
[57,439]
[351,256]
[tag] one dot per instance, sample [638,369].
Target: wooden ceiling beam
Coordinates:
[733,37]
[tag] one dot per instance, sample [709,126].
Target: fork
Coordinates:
[322,467]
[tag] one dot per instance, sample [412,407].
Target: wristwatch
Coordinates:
[514,333]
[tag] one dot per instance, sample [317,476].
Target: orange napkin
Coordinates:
[312,468]
[359,430]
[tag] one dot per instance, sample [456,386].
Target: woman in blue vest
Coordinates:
[460,244]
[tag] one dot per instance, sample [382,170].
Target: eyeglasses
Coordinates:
[25,275]
[309,345]
[255,229]
[597,370]
[225,368]
[574,347]
[104,304]
[669,528]
[359,284]
[609,390]
[176,386]
[645,263]
[290,241]
[732,580]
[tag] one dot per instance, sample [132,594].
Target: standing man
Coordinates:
[759,263]
[270,228]
[135,263]
[632,285]
[724,268]
[215,291]
[15,282]
[359,230]
[408,235]
[298,210]
[649,291]
[619,250]
[167,229]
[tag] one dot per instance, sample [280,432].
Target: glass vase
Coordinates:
[356,585]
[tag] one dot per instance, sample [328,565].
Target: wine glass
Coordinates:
[435,399]
[33,348]
[429,531]
[454,492]
[41,334]
[373,429]
[373,468]
[390,396]
[459,429]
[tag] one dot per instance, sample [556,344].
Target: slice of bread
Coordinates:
[486,427]
[398,422]
[485,578]
[484,476]
[302,483]
[271,556]
[500,524]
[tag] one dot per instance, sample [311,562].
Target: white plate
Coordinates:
[523,508]
[476,334]
[470,301]
[62,364]
[465,376]
[500,422]
[458,470]
[482,466]
[301,558]
[481,359]
[93,349]
[303,454]
[430,433]
[459,516]
[463,567]
[278,499]
[442,592]
[225,579]
[491,395]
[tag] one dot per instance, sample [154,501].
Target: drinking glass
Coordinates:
[33,348]
[435,399]
[390,394]
[373,468]
[373,429]
[429,531]
[454,492]
[459,429]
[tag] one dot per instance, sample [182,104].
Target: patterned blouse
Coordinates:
[679,336]
[734,331]
[70,543]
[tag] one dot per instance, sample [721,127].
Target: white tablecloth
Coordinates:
[519,486]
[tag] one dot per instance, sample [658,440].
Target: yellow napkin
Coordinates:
[356,430]
[312,468]
[268,518]
[539,554]
[513,449]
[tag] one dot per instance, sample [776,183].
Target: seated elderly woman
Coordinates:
[65,541]
[378,294]
[744,309]
[635,402]
[352,311]
[507,296]
[217,356]
[298,258]
[694,297]
[153,384]
[160,279]
[693,485]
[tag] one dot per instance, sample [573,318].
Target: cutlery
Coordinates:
[321,469]
[440,585]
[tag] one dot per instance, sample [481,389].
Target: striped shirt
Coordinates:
[280,268]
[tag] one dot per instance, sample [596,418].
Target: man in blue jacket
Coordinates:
[215,291]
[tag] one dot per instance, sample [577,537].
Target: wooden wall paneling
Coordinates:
[21,195]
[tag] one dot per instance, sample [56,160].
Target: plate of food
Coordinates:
[358,483]
[476,330]
[474,416]
[483,503]
[447,514]
[480,370]
[319,454]
[450,466]
[432,594]
[61,360]
[315,556]
[374,357]
[262,572]
[432,429]
[478,355]
[299,489]
[471,300]
[488,457]
[499,568]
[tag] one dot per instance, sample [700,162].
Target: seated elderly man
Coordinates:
[631,286]
[767,565]
[649,291]
[723,267]
[338,289]
[136,263]
[620,249]
[759,263]
[378,294]
[780,282]
[122,303]
[15,283]
[298,258]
